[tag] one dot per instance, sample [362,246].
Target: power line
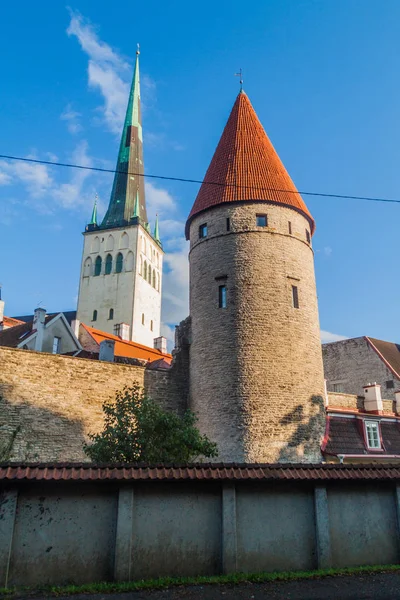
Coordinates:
[199,181]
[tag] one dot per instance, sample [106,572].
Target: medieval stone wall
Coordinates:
[256,375]
[352,364]
[50,403]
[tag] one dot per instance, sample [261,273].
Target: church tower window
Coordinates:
[295,296]
[94,316]
[145,270]
[119,263]
[154,278]
[87,267]
[111,314]
[108,267]
[222,296]
[97,266]
[149,275]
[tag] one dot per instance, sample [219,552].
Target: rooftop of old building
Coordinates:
[246,166]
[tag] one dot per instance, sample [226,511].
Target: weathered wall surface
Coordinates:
[78,532]
[256,373]
[49,403]
[354,402]
[353,364]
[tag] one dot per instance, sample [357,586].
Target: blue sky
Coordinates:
[323,76]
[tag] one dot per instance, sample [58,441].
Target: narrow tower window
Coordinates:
[151,325]
[142,318]
[119,263]
[111,314]
[149,275]
[222,296]
[261,220]
[97,266]
[295,296]
[228,224]
[308,236]
[154,278]
[94,317]
[290,227]
[108,267]
[203,230]
[145,270]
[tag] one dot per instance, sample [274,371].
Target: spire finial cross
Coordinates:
[240,74]
[138,49]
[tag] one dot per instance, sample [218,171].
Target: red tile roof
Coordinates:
[125,348]
[206,471]
[245,166]
[11,322]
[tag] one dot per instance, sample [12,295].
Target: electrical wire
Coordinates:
[199,181]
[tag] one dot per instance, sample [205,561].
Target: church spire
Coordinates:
[127,196]
[93,220]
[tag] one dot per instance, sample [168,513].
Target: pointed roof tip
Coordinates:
[246,166]
[156,234]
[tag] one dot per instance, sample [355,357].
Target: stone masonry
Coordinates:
[352,364]
[50,403]
[256,374]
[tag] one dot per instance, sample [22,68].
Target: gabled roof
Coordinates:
[389,352]
[16,336]
[245,166]
[125,348]
[70,316]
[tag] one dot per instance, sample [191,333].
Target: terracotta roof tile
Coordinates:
[191,472]
[245,166]
[124,348]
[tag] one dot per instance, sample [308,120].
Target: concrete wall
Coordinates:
[353,364]
[50,403]
[76,532]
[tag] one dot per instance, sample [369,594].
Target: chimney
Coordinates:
[122,331]
[373,398]
[107,350]
[160,344]
[39,318]
[75,323]
[397,400]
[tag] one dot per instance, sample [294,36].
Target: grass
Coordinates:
[167,582]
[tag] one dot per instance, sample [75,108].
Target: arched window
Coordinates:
[108,267]
[111,314]
[94,317]
[97,266]
[151,325]
[154,278]
[141,266]
[149,275]
[110,243]
[145,269]
[158,260]
[119,263]
[87,267]
[124,243]
[130,261]
[96,244]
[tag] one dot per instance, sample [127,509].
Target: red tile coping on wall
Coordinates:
[12,472]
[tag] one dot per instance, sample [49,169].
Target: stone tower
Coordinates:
[121,273]
[256,374]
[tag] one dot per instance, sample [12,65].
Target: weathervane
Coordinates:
[240,74]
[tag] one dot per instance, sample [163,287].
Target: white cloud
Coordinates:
[328,251]
[36,178]
[107,71]
[327,336]
[72,118]
[71,193]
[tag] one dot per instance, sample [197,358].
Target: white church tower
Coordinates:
[121,272]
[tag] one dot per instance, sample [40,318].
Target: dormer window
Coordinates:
[203,230]
[372,435]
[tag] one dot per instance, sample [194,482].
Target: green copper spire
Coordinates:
[156,235]
[93,220]
[128,188]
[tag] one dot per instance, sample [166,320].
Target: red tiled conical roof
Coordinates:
[245,166]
